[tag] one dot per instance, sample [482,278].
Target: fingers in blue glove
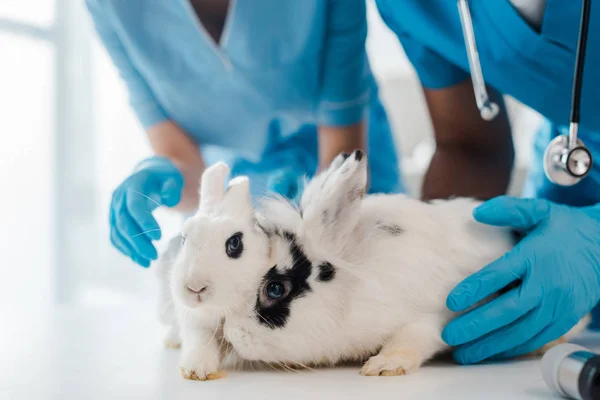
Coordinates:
[123,245]
[497,313]
[512,212]
[170,193]
[140,208]
[547,335]
[134,235]
[503,339]
[487,281]
[559,281]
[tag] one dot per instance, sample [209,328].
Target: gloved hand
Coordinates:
[287,183]
[132,227]
[558,263]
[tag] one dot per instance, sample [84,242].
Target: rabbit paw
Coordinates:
[196,376]
[172,340]
[200,369]
[392,363]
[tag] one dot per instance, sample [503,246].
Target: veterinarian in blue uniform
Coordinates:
[275,88]
[527,49]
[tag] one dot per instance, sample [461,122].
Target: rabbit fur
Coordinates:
[344,277]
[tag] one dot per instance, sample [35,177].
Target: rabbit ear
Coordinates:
[237,201]
[212,186]
[332,202]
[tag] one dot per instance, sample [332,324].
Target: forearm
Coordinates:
[460,172]
[473,158]
[334,140]
[168,140]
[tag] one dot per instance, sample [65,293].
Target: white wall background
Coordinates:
[69,138]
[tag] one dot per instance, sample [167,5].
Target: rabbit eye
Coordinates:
[234,245]
[275,290]
[182,240]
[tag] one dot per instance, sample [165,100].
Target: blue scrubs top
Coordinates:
[534,67]
[253,99]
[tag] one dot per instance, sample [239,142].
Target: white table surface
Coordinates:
[115,353]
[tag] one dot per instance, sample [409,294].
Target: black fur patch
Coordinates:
[275,315]
[390,229]
[358,155]
[326,272]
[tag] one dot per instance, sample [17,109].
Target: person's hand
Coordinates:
[286,182]
[132,227]
[557,266]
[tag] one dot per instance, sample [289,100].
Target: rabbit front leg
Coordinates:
[406,351]
[201,355]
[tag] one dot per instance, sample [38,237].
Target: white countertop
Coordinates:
[114,353]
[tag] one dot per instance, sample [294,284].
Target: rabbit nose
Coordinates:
[197,291]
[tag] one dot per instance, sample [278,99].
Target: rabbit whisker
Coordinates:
[148,231]
[149,198]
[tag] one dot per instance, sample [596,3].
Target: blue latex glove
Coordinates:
[287,183]
[132,227]
[558,263]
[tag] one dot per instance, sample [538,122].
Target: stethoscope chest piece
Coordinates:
[566,166]
[566,160]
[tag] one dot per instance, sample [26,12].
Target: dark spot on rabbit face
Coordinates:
[280,286]
[345,156]
[234,246]
[326,272]
[390,229]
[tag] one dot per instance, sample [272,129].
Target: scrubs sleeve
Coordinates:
[434,71]
[345,71]
[141,98]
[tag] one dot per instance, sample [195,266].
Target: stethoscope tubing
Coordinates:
[564,151]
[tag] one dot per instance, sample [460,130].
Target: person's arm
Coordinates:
[473,157]
[334,140]
[170,141]
[345,84]
[166,138]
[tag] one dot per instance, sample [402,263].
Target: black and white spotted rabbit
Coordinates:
[343,277]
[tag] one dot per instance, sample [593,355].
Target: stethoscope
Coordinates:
[566,160]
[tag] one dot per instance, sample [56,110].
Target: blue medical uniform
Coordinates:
[534,67]
[255,97]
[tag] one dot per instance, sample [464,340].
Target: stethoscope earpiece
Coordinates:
[489,111]
[566,160]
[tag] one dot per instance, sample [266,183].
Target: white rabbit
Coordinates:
[343,277]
